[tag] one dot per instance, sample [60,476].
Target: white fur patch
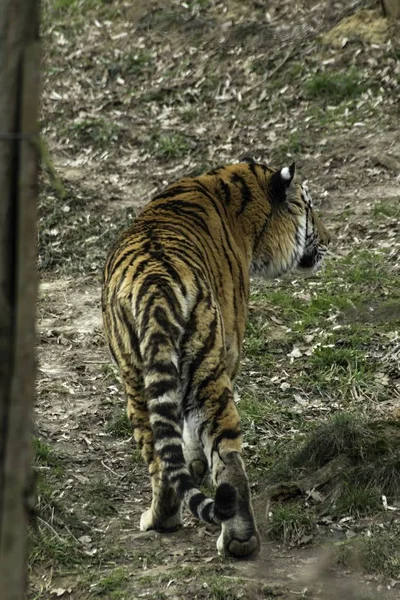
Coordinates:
[285,173]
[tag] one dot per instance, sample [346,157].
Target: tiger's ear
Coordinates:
[287,173]
[280,182]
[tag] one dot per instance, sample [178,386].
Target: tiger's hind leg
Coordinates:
[214,421]
[165,510]
[210,412]
[222,439]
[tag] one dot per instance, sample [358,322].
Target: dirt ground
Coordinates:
[135,96]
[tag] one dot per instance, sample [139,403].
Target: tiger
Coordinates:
[175,299]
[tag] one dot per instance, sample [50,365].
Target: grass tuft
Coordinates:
[52,541]
[381,552]
[358,501]
[385,474]
[44,455]
[377,553]
[386,210]
[220,589]
[335,87]
[111,585]
[51,548]
[344,434]
[169,146]
[119,426]
[290,524]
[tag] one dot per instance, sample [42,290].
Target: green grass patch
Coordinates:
[169,145]
[384,209]
[222,589]
[164,18]
[254,343]
[363,267]
[265,464]
[345,369]
[335,87]
[179,573]
[342,284]
[49,470]
[113,585]
[200,169]
[251,409]
[119,426]
[341,358]
[261,453]
[47,491]
[351,435]
[137,63]
[110,372]
[342,366]
[300,313]
[340,361]
[44,455]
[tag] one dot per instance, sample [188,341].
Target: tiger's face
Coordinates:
[316,238]
[293,237]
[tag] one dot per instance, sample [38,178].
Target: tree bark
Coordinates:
[391,8]
[19,93]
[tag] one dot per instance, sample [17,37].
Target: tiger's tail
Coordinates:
[161,382]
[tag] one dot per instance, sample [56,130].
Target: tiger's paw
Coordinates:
[149,521]
[231,544]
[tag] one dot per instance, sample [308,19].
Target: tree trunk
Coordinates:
[391,8]
[19,92]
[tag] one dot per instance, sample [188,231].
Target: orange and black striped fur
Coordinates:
[175,295]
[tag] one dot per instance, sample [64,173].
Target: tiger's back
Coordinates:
[185,235]
[175,294]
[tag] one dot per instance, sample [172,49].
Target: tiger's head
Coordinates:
[292,236]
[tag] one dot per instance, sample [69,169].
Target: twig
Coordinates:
[109,468]
[70,533]
[283,61]
[49,526]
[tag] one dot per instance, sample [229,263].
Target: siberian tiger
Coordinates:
[174,302]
